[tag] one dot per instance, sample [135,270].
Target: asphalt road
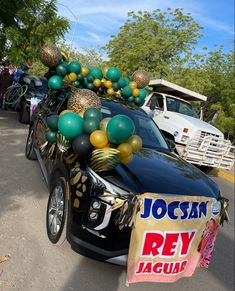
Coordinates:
[35,264]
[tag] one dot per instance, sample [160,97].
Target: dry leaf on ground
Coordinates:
[4,258]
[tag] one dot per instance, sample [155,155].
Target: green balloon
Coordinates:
[92,112]
[76,84]
[91,124]
[61,70]
[65,64]
[74,67]
[115,85]
[85,82]
[79,77]
[52,122]
[96,73]
[55,82]
[90,86]
[143,94]
[51,136]
[70,125]
[127,91]
[119,129]
[113,74]
[131,99]
[122,82]
[138,101]
[90,78]
[127,80]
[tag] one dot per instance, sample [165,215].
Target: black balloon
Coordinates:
[81,145]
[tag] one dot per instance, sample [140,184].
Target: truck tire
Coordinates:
[24,116]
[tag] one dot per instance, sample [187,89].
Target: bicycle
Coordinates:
[13,95]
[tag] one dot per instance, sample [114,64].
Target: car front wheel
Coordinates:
[56,218]
[29,148]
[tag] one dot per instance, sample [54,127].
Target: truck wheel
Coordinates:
[24,116]
[29,148]
[57,212]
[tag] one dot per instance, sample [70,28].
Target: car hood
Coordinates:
[161,172]
[198,124]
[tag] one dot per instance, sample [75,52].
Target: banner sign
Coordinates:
[172,235]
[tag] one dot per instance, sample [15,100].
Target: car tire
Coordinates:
[57,212]
[29,148]
[24,115]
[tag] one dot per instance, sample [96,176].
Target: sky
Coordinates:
[94,21]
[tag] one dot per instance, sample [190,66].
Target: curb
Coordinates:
[224,175]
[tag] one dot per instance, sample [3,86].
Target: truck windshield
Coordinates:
[180,106]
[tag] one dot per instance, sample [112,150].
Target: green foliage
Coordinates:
[153,41]
[27,26]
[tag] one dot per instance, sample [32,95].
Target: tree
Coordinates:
[153,41]
[27,25]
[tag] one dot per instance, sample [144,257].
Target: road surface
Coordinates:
[35,264]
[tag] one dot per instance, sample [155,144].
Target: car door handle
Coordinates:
[167,117]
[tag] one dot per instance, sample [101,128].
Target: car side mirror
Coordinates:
[171,144]
[153,103]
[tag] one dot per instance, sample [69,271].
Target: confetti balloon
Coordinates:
[82,99]
[55,82]
[141,77]
[113,74]
[74,67]
[119,129]
[135,142]
[50,56]
[99,139]
[70,125]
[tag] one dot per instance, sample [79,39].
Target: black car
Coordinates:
[37,88]
[77,207]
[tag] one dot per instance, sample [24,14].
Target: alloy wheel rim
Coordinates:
[56,210]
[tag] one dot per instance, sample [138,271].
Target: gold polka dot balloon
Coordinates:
[141,77]
[50,55]
[82,99]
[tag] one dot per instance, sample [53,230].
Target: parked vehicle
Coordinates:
[37,90]
[196,141]
[90,228]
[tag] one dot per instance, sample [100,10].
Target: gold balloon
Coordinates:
[136,92]
[103,80]
[50,56]
[108,84]
[126,160]
[104,71]
[132,84]
[84,71]
[99,139]
[125,150]
[82,99]
[141,77]
[72,77]
[65,56]
[135,142]
[65,111]
[110,91]
[97,83]
[104,122]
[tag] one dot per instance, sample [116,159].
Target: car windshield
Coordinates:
[144,127]
[180,106]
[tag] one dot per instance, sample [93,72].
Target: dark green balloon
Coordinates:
[119,129]
[138,101]
[61,70]
[130,99]
[90,78]
[85,82]
[55,82]
[74,67]
[70,125]
[65,64]
[51,136]
[52,122]
[91,124]
[122,82]
[143,94]
[81,145]
[115,85]
[93,112]
[127,80]
[113,74]
[96,73]
[127,91]
[76,84]
[79,77]
[90,86]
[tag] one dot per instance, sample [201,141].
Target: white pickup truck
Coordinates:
[196,141]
